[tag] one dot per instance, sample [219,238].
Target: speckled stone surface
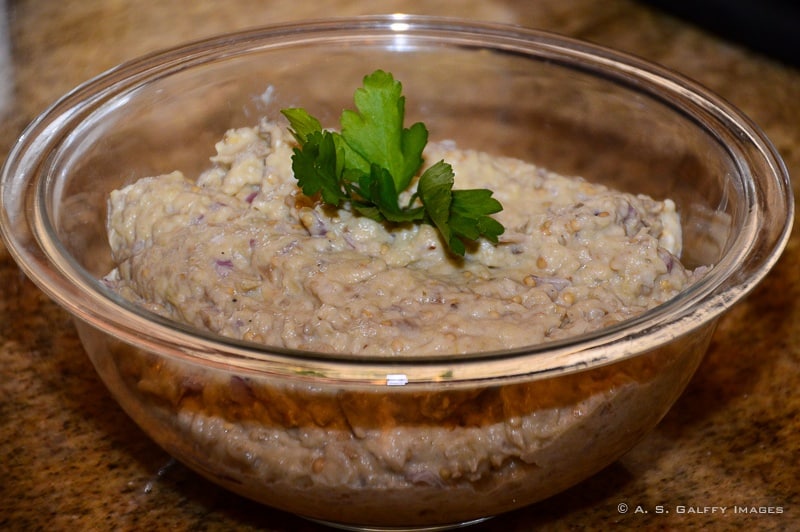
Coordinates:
[71,460]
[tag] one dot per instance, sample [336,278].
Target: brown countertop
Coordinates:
[71,460]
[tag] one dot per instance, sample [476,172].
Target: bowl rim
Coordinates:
[47,263]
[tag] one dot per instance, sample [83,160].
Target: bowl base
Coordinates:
[370,528]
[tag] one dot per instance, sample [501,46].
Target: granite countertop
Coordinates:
[70,459]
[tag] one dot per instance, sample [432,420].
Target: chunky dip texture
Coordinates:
[396,457]
[240,251]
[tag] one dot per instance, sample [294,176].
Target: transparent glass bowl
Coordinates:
[401,443]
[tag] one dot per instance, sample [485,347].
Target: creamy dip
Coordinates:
[240,251]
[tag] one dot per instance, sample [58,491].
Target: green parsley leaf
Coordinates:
[316,169]
[303,124]
[374,159]
[376,133]
[435,190]
[379,188]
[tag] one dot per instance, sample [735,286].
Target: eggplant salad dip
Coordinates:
[246,252]
[242,252]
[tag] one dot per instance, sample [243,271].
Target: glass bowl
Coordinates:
[399,443]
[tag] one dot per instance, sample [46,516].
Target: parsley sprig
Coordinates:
[375,158]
